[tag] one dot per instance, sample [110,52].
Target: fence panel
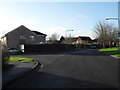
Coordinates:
[48,48]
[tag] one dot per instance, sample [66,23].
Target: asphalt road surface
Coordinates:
[77,69]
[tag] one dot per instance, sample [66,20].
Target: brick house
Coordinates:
[83,40]
[78,40]
[21,36]
[95,41]
[71,40]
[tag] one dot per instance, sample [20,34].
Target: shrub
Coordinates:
[5,56]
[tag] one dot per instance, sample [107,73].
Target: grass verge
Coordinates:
[111,51]
[21,59]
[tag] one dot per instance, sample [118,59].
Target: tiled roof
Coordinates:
[38,33]
[22,26]
[85,38]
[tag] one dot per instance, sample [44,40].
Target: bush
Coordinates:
[5,56]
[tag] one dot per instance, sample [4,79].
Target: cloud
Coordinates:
[55,29]
[79,32]
[82,32]
[82,16]
[76,18]
[60,30]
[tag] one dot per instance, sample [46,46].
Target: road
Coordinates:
[85,68]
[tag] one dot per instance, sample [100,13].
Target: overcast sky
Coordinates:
[56,17]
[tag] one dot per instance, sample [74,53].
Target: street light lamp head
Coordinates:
[106,19]
[69,30]
[111,19]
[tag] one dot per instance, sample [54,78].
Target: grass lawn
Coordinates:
[21,59]
[112,51]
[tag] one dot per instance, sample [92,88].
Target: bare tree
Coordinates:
[54,37]
[105,33]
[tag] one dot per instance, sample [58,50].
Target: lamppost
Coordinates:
[66,36]
[67,31]
[118,35]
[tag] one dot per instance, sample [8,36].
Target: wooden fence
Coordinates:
[48,48]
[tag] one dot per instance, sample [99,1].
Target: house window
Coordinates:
[3,39]
[32,38]
[22,37]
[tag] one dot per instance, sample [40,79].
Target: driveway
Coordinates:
[87,68]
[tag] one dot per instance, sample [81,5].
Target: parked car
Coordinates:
[94,47]
[13,51]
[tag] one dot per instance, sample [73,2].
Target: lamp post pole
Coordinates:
[66,36]
[67,31]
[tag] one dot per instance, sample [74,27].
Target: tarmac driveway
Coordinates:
[85,68]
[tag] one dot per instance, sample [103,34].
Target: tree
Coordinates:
[62,39]
[5,56]
[54,37]
[106,33]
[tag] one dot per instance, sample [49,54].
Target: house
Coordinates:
[21,36]
[95,41]
[83,40]
[71,40]
[78,40]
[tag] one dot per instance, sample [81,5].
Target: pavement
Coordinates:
[17,71]
[109,55]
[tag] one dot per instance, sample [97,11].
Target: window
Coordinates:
[3,39]
[32,38]
[22,37]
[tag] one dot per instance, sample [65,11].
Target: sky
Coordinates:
[56,17]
